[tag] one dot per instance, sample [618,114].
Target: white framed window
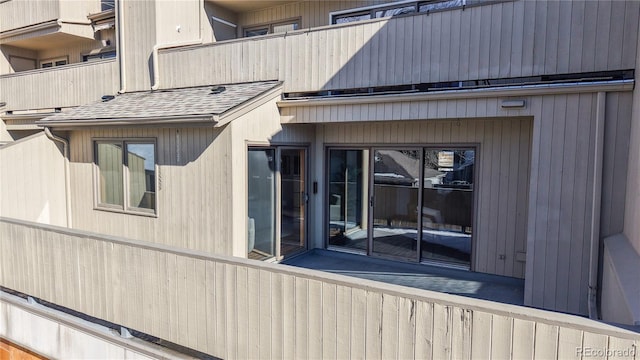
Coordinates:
[126,175]
[272,28]
[48,63]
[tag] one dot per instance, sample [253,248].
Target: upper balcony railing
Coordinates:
[491,41]
[17,14]
[237,308]
[65,86]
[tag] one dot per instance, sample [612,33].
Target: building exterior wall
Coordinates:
[560,179]
[503,160]
[32,181]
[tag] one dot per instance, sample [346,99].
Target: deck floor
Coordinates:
[459,282]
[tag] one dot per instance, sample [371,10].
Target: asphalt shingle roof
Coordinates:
[199,100]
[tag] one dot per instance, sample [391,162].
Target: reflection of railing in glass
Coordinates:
[447,205]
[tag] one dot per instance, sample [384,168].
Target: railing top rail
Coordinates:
[58,68]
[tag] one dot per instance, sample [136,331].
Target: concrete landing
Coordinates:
[452,281]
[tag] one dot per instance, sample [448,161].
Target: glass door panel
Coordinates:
[395,203]
[447,205]
[348,198]
[292,200]
[261,234]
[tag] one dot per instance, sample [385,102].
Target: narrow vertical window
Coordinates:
[142,175]
[110,169]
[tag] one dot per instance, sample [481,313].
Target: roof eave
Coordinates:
[137,121]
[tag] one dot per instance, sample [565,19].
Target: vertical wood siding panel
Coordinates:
[523,339]
[481,336]
[501,337]
[630,34]
[373,339]
[603,30]
[358,346]
[539,35]
[569,341]
[389,327]
[551,37]
[564,37]
[406,328]
[589,45]
[555,166]
[546,341]
[565,235]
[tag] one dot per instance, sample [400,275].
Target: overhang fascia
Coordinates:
[36,28]
[247,106]
[504,91]
[201,119]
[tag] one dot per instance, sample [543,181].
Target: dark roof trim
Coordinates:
[158,120]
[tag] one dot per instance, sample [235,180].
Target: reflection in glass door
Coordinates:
[261,234]
[293,198]
[395,206]
[447,205]
[348,199]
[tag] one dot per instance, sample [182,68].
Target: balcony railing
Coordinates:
[491,41]
[16,14]
[236,308]
[64,86]
[19,14]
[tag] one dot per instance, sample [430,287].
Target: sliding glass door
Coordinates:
[418,202]
[277,198]
[348,199]
[395,203]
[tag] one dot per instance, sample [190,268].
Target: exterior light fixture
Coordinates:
[513,104]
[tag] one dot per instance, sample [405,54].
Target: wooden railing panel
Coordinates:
[500,40]
[252,309]
[64,86]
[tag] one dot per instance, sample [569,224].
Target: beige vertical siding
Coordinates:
[192,194]
[632,203]
[10,51]
[503,159]
[19,13]
[177,21]
[311,13]
[77,11]
[235,308]
[72,51]
[139,31]
[559,177]
[531,38]
[32,181]
[65,86]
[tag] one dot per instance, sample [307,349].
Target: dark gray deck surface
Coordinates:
[452,281]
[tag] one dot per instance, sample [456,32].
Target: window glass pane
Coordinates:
[348,200]
[395,11]
[280,28]
[142,175]
[61,62]
[439,5]
[110,168]
[261,234]
[256,32]
[343,19]
[447,208]
[46,65]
